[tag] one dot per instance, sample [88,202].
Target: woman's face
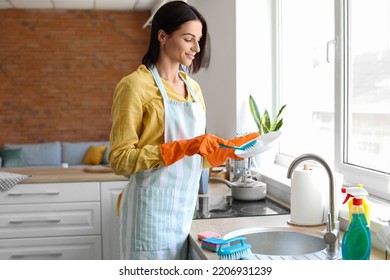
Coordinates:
[183,44]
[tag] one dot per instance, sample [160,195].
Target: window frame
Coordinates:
[376,183]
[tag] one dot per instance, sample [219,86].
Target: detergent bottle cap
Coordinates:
[356,193]
[357,201]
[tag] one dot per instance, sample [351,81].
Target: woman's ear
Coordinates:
[161,35]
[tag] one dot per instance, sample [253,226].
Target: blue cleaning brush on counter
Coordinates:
[236,250]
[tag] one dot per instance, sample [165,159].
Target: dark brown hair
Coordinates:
[169,18]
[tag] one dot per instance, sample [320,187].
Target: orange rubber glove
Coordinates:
[204,144]
[222,155]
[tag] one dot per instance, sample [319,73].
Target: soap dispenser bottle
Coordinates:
[366,205]
[356,244]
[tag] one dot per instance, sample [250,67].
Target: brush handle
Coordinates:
[239,238]
[243,147]
[229,147]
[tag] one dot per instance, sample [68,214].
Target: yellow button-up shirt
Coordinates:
[138,121]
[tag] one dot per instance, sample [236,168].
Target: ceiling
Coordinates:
[133,5]
[125,5]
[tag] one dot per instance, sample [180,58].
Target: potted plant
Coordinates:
[263,122]
[265,125]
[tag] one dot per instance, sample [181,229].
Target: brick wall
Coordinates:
[58,71]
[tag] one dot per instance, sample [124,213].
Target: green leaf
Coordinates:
[281,110]
[278,125]
[273,126]
[267,120]
[255,113]
[263,122]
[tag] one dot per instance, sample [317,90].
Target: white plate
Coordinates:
[266,142]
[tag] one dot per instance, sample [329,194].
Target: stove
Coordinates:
[210,207]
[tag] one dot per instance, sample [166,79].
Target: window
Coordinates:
[338,110]
[367,65]
[362,84]
[305,77]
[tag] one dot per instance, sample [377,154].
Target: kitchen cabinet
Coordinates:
[45,220]
[53,248]
[110,221]
[51,221]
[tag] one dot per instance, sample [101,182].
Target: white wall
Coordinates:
[254,60]
[240,32]
[218,81]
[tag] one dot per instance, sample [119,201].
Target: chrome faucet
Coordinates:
[331,236]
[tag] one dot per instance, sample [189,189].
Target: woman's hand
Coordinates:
[202,145]
[222,155]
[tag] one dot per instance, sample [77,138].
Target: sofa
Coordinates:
[54,154]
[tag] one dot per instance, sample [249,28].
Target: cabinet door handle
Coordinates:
[14,193]
[38,254]
[47,220]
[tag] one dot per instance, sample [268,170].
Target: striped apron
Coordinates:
[158,205]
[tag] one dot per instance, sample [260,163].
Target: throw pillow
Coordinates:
[73,153]
[94,155]
[13,158]
[105,157]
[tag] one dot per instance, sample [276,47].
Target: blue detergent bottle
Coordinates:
[356,244]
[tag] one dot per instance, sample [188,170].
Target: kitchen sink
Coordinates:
[283,243]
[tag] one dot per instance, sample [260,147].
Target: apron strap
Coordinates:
[194,96]
[159,83]
[162,89]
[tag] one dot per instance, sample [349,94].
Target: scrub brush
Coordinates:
[235,251]
[243,147]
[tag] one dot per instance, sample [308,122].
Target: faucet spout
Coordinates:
[331,237]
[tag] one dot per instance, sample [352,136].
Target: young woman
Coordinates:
[158,138]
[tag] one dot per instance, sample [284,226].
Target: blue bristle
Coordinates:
[236,251]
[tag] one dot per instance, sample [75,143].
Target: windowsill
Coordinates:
[278,186]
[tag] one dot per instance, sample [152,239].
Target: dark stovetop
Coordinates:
[210,207]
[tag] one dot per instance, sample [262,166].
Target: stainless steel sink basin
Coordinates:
[283,243]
